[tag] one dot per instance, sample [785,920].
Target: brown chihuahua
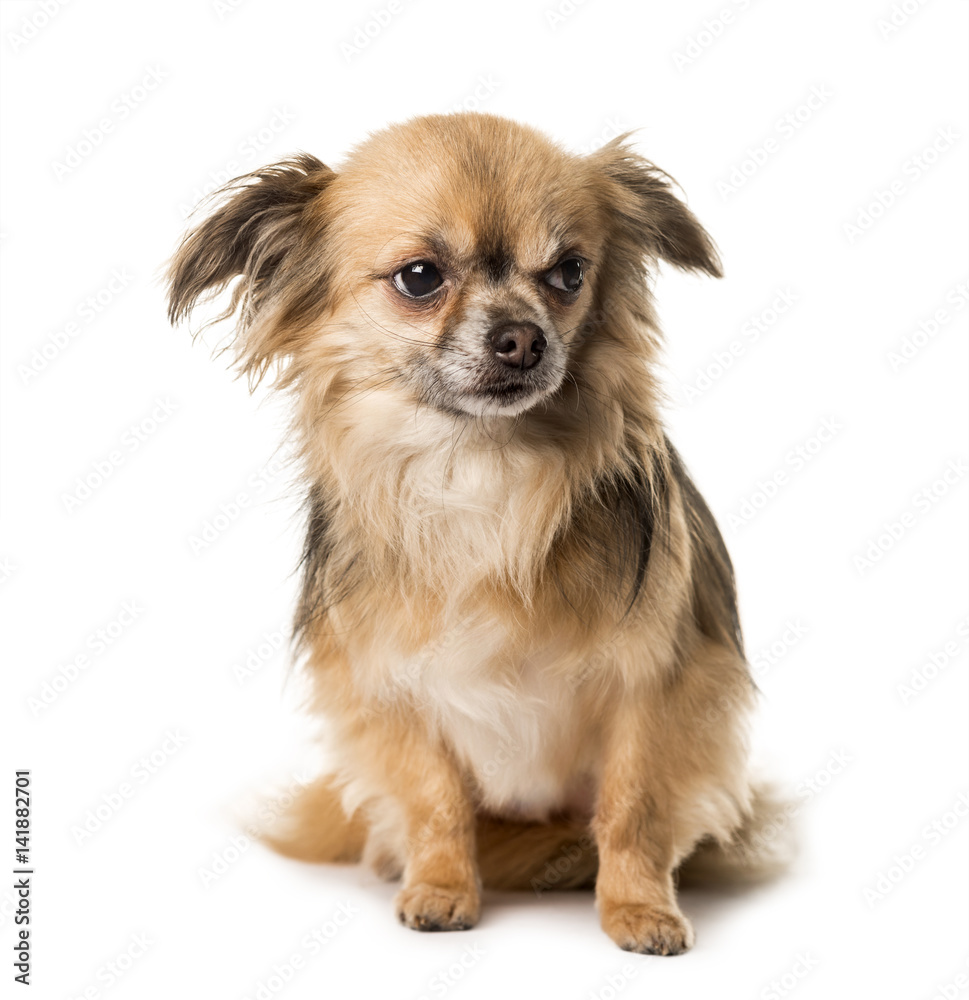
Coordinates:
[517,612]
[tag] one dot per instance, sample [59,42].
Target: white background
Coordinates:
[871,765]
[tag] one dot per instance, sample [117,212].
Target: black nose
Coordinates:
[518,345]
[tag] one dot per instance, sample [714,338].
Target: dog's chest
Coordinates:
[516,724]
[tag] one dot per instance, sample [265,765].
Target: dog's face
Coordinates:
[456,256]
[469,261]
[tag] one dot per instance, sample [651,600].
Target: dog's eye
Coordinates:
[567,276]
[418,279]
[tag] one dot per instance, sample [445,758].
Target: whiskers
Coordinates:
[423,343]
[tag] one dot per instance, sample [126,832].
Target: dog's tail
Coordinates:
[315,826]
[761,848]
[542,857]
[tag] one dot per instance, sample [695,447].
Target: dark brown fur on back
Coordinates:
[714,586]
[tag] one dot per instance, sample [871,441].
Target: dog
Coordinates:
[517,613]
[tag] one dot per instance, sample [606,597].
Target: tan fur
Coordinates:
[519,619]
[316,828]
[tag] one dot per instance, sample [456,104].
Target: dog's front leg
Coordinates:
[441,890]
[674,770]
[635,894]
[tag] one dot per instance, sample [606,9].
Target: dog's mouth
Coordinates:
[502,395]
[503,400]
[509,398]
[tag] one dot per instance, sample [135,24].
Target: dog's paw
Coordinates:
[424,907]
[648,930]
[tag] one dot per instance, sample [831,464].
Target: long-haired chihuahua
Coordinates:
[517,612]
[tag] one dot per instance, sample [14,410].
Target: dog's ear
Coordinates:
[642,197]
[259,231]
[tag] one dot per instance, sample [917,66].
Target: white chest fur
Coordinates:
[472,509]
[515,723]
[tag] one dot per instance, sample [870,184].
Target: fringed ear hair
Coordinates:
[642,196]
[256,232]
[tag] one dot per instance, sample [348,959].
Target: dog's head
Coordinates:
[465,257]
